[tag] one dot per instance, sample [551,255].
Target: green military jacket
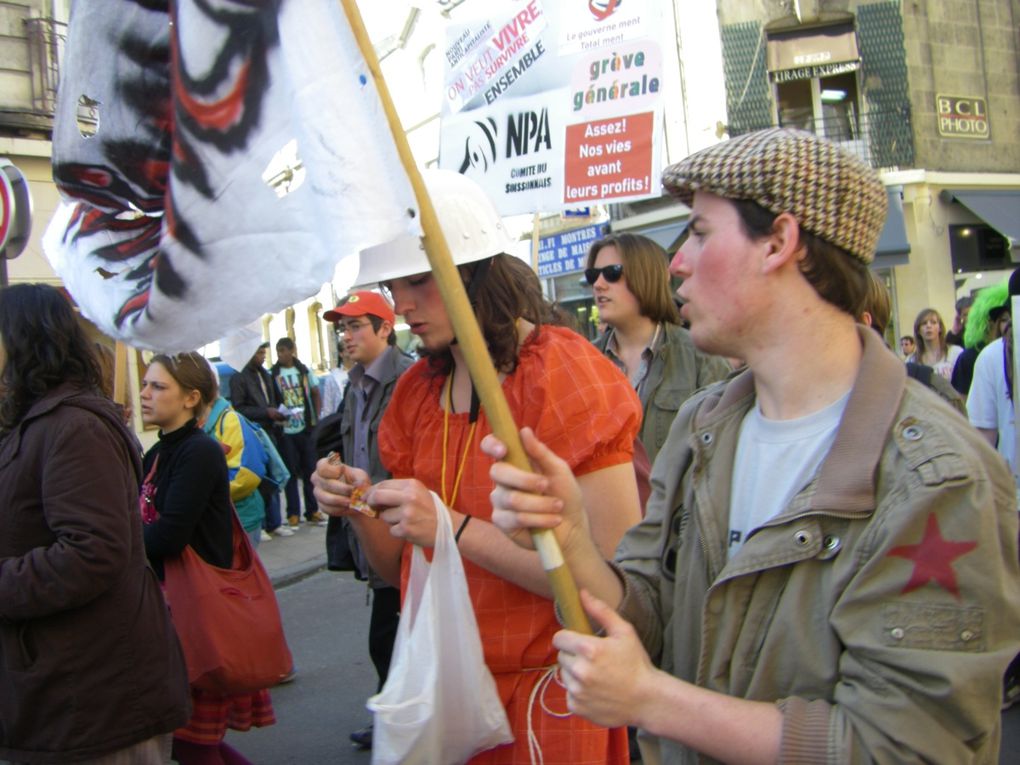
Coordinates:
[879,610]
[677,370]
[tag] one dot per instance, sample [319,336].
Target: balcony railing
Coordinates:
[46,39]
[882,138]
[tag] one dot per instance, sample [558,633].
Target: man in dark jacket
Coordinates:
[300,390]
[254,393]
[366,320]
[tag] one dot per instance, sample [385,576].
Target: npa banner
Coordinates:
[553,105]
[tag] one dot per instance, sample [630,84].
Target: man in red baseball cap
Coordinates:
[366,305]
[367,321]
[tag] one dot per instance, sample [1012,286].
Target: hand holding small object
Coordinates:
[341,489]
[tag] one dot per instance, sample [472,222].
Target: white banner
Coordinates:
[220,176]
[550,105]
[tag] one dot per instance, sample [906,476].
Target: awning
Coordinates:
[1000,209]
[817,53]
[666,235]
[893,248]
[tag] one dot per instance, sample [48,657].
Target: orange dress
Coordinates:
[579,404]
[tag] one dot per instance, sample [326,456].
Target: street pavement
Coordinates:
[325,615]
[290,559]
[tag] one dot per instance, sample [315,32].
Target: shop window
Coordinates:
[814,77]
[977,247]
[826,106]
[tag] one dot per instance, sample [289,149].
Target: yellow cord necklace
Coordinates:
[446,437]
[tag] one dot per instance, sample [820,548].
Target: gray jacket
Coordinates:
[829,609]
[394,363]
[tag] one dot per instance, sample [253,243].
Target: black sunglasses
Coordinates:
[611,273]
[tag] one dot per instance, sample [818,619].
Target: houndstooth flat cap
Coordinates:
[832,194]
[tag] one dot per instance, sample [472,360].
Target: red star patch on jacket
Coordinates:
[933,558]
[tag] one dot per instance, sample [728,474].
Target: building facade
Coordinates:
[32,34]
[928,93]
[695,113]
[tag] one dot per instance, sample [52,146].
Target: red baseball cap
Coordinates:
[361,303]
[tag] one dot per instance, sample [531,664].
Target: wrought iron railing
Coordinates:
[882,138]
[46,39]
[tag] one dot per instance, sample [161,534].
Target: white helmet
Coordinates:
[470,223]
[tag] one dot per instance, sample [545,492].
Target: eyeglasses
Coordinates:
[611,273]
[353,326]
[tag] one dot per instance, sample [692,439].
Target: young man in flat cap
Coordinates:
[827,571]
[366,320]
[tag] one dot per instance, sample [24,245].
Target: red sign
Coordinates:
[610,158]
[15,211]
[6,209]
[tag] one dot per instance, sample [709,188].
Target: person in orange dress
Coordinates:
[556,382]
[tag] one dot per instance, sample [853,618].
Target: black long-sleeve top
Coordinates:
[192,498]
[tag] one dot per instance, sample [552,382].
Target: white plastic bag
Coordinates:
[439,705]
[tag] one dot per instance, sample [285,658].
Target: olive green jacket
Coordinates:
[676,371]
[828,609]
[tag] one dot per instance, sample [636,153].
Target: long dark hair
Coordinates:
[508,290]
[44,346]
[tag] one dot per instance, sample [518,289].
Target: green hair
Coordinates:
[974,336]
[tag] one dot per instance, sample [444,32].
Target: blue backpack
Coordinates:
[276,469]
[260,455]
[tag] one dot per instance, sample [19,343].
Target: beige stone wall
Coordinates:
[927,281]
[968,48]
[772,11]
[15,63]
[964,48]
[15,82]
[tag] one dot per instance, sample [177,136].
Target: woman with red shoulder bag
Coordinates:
[185,503]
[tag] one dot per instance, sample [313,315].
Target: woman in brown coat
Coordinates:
[90,667]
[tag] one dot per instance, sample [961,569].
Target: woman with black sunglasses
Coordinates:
[629,276]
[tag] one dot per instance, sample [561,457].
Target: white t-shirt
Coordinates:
[942,368]
[776,459]
[945,367]
[987,404]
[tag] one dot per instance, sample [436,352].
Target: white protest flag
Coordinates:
[240,152]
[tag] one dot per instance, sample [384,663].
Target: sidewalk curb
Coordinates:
[293,574]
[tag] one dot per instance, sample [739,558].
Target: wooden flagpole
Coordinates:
[536,238]
[120,374]
[469,335]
